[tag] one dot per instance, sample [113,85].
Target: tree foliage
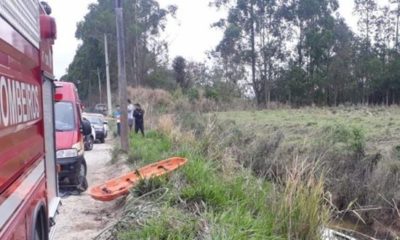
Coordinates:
[179,66]
[299,52]
[302,52]
[146,52]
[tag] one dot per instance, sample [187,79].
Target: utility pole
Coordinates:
[99,79]
[122,76]
[109,105]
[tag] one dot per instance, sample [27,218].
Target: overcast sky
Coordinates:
[189,35]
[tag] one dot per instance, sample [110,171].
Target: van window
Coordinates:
[65,117]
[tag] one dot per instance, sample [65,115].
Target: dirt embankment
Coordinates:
[81,217]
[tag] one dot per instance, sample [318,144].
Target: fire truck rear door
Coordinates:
[49,133]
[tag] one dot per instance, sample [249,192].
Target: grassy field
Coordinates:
[273,174]
[379,125]
[358,150]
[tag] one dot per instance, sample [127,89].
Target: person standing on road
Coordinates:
[117,115]
[138,114]
[131,109]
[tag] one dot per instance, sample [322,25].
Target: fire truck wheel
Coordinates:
[40,228]
[82,181]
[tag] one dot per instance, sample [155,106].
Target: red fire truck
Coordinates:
[28,172]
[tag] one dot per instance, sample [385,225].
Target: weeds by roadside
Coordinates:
[204,201]
[154,146]
[116,151]
[355,148]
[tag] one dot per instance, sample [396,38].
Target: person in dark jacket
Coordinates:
[138,114]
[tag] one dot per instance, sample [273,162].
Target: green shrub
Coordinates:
[211,93]
[193,94]
[352,138]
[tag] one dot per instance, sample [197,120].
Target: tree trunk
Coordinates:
[135,48]
[335,97]
[300,45]
[253,50]
[367,25]
[397,26]
[387,98]
[393,98]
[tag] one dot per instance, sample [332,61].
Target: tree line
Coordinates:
[299,52]
[302,52]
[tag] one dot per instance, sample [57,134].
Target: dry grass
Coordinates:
[160,102]
[156,98]
[301,209]
[168,126]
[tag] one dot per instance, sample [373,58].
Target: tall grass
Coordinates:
[205,203]
[301,209]
[173,224]
[148,149]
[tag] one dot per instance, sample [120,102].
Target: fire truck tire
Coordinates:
[82,181]
[40,227]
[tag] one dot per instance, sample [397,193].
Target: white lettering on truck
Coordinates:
[19,102]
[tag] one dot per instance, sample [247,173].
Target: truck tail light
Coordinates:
[58,97]
[48,28]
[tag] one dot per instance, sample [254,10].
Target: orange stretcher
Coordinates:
[115,188]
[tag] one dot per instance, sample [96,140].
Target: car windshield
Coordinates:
[65,116]
[94,120]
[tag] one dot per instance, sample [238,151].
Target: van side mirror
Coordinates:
[86,128]
[105,122]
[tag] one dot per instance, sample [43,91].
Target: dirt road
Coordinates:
[81,217]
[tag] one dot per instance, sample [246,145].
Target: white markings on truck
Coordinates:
[19,102]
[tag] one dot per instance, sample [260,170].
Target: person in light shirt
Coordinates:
[131,109]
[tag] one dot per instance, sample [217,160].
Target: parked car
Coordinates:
[89,139]
[103,119]
[99,125]
[100,108]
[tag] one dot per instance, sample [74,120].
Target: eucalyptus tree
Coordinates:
[341,65]
[396,14]
[254,36]
[146,21]
[366,10]
[367,13]
[313,23]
